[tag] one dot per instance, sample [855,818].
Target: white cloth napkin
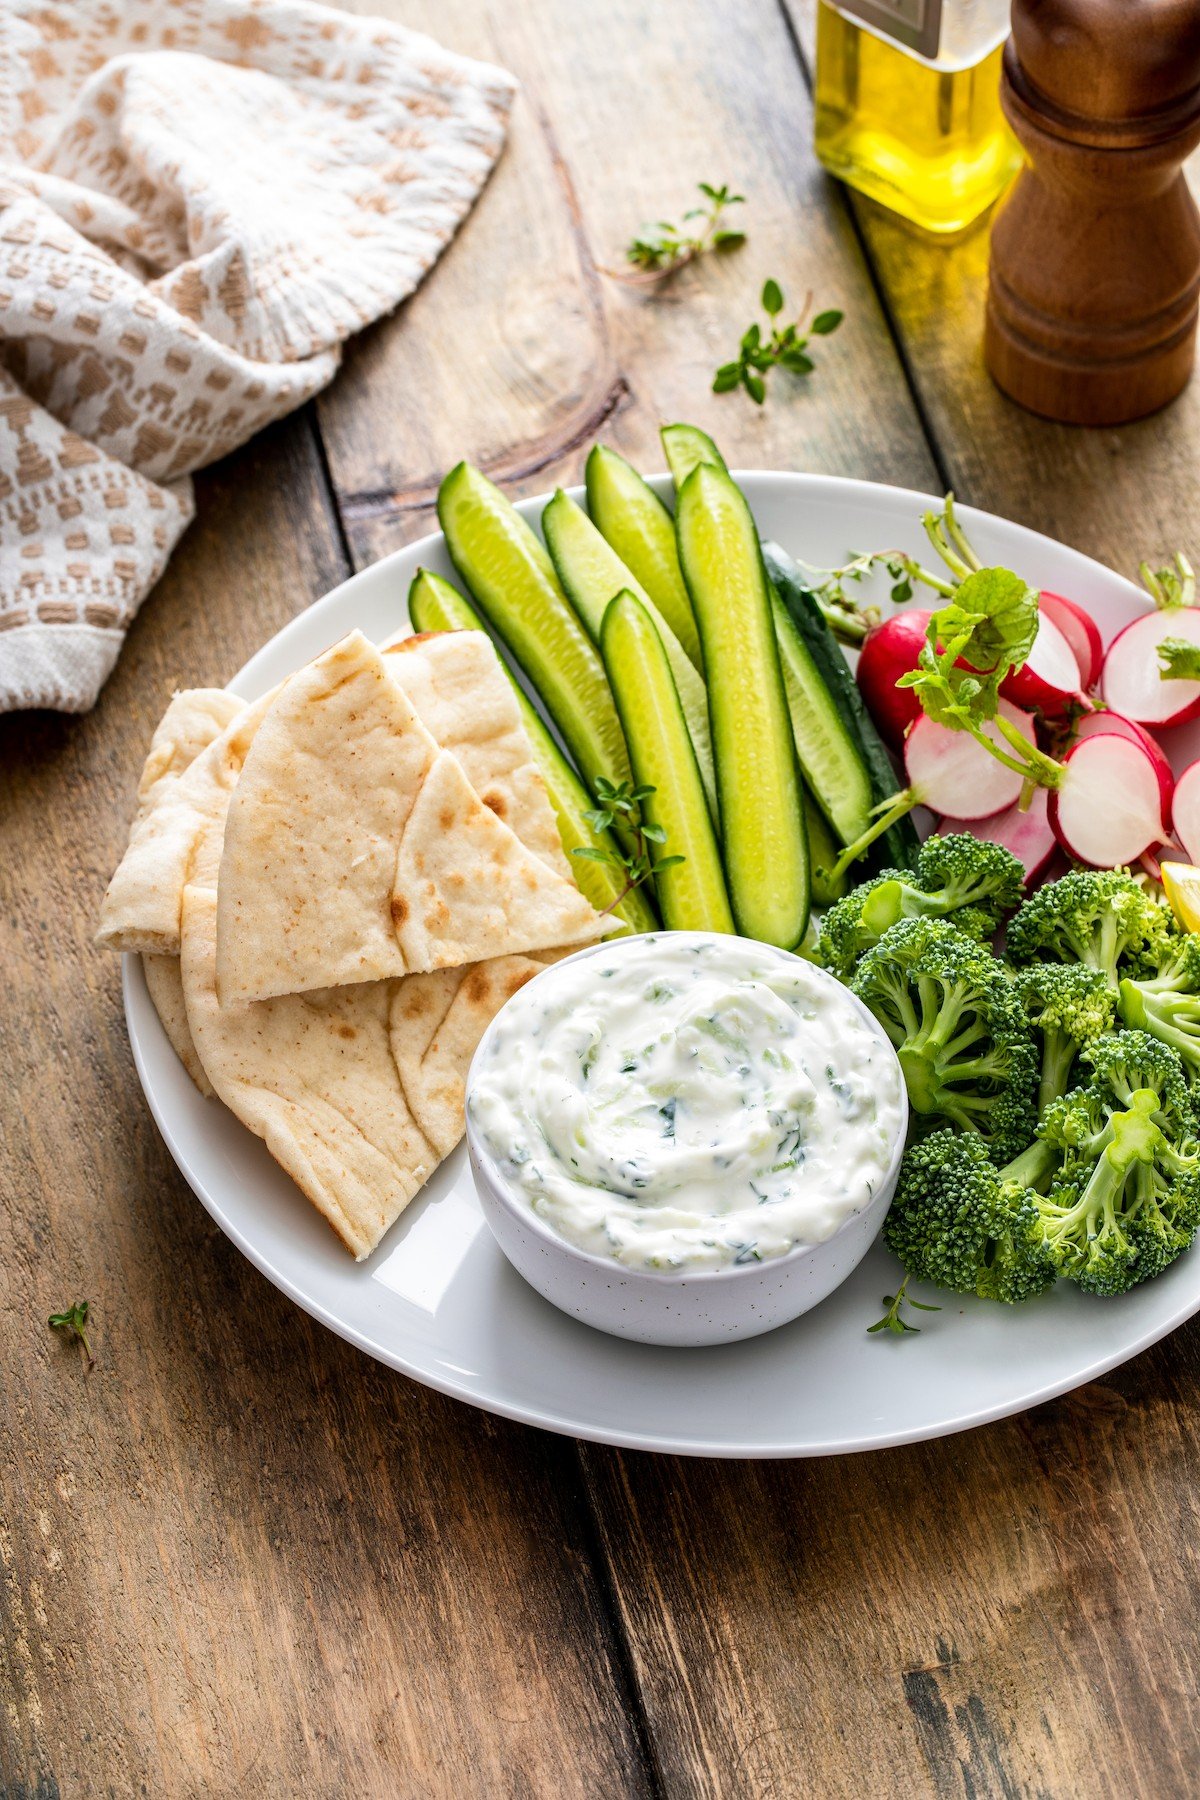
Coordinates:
[199,200]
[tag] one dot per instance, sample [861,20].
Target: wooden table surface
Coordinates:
[240,1558]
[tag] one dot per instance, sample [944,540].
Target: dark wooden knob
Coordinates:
[1095,271]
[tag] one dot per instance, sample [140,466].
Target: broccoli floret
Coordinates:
[1168,1005]
[959,1029]
[1099,917]
[1070,1005]
[960,877]
[1126,1200]
[961,1223]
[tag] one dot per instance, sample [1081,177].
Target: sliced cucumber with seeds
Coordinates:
[508,570]
[758,782]
[830,757]
[435,605]
[687,445]
[640,529]
[842,754]
[691,895]
[592,574]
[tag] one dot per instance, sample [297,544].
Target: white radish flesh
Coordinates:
[1132,682]
[1049,679]
[1027,834]
[955,775]
[1109,809]
[1101,724]
[1080,630]
[1186,811]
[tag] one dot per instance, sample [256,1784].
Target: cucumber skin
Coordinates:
[731,821]
[901,843]
[435,604]
[625,612]
[583,736]
[610,481]
[560,517]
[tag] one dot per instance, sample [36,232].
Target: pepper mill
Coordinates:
[1095,255]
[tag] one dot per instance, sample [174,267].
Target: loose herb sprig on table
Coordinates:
[779,347]
[74,1323]
[662,249]
[621,800]
[892,1319]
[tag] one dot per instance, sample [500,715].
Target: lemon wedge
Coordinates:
[1181,882]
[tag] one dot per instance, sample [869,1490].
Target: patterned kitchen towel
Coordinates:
[199,201]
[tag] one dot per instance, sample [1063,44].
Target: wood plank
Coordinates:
[517,352]
[239,1557]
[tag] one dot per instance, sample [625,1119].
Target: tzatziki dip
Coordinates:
[680,1102]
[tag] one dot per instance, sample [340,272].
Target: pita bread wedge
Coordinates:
[357,850]
[141,908]
[355,1090]
[462,696]
[165,985]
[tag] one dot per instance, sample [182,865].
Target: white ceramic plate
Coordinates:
[439,1302]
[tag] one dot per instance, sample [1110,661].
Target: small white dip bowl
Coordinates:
[708,1306]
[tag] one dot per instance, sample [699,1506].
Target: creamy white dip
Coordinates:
[684,1102]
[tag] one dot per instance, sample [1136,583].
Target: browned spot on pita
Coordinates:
[446,818]
[529,878]
[438,917]
[477,987]
[416,1003]
[409,643]
[399,909]
[346,1031]
[517,980]
[455,879]
[496,802]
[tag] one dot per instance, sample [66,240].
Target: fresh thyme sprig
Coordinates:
[621,800]
[778,347]
[662,249]
[74,1323]
[892,1320]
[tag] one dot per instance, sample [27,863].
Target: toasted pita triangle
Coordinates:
[356,849]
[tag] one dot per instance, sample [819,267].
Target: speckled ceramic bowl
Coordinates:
[710,1306]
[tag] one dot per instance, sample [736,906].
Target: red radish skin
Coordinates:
[1132,680]
[1080,630]
[1027,834]
[955,775]
[1099,723]
[889,651]
[1109,809]
[1187,811]
[1050,679]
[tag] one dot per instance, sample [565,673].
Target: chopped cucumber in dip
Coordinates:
[682,1102]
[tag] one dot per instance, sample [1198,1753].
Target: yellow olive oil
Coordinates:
[926,139]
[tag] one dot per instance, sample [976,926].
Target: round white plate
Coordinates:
[438,1301]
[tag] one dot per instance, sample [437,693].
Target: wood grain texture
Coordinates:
[518,351]
[238,1558]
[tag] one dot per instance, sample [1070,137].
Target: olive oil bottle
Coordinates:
[908,105]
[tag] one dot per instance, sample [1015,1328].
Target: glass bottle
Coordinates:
[908,105]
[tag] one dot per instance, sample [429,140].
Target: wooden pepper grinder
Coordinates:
[1095,271]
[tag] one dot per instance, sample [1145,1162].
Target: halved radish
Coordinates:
[1186,811]
[1111,807]
[1080,630]
[889,651]
[1050,678]
[1027,834]
[1132,682]
[948,771]
[1100,723]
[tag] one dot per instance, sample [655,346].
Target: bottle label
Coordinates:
[917,24]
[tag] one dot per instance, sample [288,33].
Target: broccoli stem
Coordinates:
[1058,1056]
[1033,1165]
